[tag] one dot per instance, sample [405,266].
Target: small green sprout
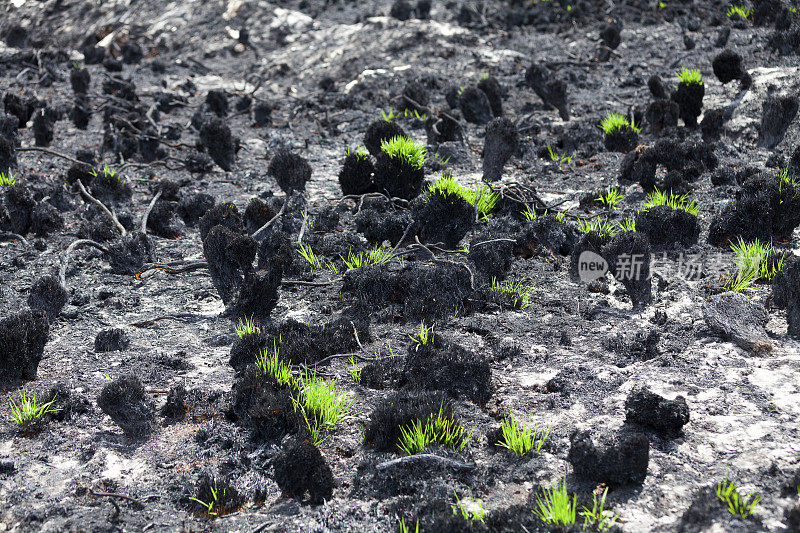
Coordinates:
[389,115]
[28,411]
[559,159]
[690,76]
[604,229]
[555,507]
[598,516]
[214,508]
[470,511]
[438,159]
[404,528]
[522,438]
[440,430]
[406,150]
[680,202]
[7,180]
[270,364]
[425,336]
[482,199]
[614,122]
[741,281]
[611,199]
[354,371]
[109,173]
[520,294]
[360,152]
[321,405]
[314,261]
[377,255]
[754,257]
[728,493]
[628,225]
[739,10]
[248,326]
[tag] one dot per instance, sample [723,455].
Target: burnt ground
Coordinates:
[321,72]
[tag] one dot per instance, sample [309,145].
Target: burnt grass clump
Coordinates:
[355,177]
[665,226]
[47,295]
[500,143]
[608,456]
[443,217]
[111,340]
[22,339]
[551,89]
[127,403]
[628,255]
[683,162]
[290,171]
[379,131]
[398,177]
[446,366]
[764,208]
[400,409]
[786,293]
[378,220]
[645,408]
[217,140]
[264,408]
[301,470]
[420,290]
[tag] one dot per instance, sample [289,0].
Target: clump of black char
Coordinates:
[291,171]
[665,226]
[22,339]
[684,162]
[379,131]
[443,217]
[628,256]
[127,403]
[766,208]
[301,469]
[610,457]
[500,143]
[380,221]
[545,231]
[400,410]
[786,293]
[648,409]
[551,90]
[355,177]
[110,340]
[443,365]
[265,408]
[217,140]
[48,295]
[423,290]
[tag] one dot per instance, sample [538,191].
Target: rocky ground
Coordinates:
[171,158]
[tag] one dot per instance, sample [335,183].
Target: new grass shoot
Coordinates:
[519,293]
[610,199]
[7,179]
[483,199]
[377,255]
[754,257]
[321,405]
[555,507]
[354,371]
[739,10]
[680,202]
[270,364]
[406,150]
[441,430]
[690,76]
[314,261]
[247,326]
[559,159]
[29,410]
[603,228]
[425,335]
[214,507]
[470,510]
[614,122]
[728,493]
[522,437]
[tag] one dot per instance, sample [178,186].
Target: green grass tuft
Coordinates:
[521,438]
[728,493]
[604,229]
[520,294]
[7,180]
[314,261]
[360,152]
[555,158]
[405,528]
[482,199]
[29,411]
[739,10]
[679,202]
[555,507]
[611,199]
[247,326]
[441,430]
[614,122]
[425,335]
[690,76]
[321,405]
[270,364]
[406,150]
[598,516]
[378,255]
[628,225]
[753,257]
[354,371]
[470,511]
